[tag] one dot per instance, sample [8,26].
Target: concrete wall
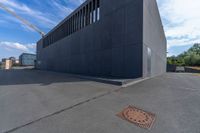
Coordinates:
[153,38]
[115,46]
[109,47]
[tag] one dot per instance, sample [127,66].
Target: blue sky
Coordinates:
[180,18]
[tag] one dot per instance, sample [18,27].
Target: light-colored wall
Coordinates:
[154,38]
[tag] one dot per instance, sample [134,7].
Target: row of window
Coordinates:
[87,15]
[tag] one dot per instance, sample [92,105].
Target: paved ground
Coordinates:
[44,102]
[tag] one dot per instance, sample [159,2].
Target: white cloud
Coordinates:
[23,9]
[40,18]
[18,46]
[63,10]
[181,21]
[75,2]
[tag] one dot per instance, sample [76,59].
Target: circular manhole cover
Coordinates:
[137,116]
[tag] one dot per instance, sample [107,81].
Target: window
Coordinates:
[98,10]
[90,11]
[84,17]
[94,11]
[87,15]
[73,24]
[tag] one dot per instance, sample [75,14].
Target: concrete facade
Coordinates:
[115,45]
[153,38]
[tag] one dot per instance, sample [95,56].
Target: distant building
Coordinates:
[6,64]
[0,65]
[15,62]
[13,59]
[27,59]
[4,59]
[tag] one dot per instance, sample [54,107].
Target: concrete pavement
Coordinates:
[45,102]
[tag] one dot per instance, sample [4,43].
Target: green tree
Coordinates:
[187,58]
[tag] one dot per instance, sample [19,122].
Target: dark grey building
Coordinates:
[27,59]
[113,38]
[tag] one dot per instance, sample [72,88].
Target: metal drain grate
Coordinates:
[138,117]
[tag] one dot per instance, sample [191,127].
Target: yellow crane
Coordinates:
[22,20]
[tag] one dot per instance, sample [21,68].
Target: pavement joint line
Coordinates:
[75,105]
[58,112]
[189,89]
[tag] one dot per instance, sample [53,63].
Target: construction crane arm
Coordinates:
[22,20]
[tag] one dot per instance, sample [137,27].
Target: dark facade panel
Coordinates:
[102,38]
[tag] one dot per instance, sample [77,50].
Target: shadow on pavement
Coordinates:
[30,76]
